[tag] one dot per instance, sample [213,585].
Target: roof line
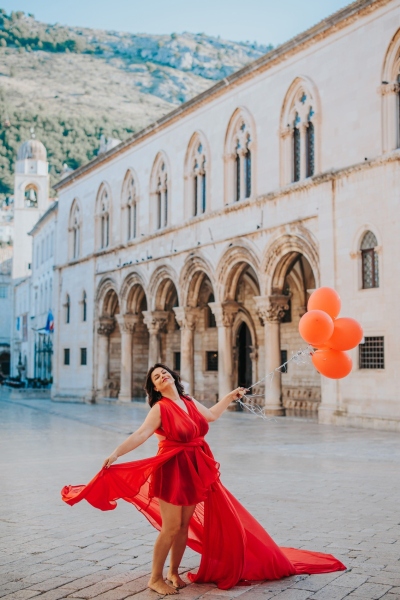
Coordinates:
[44,216]
[262,63]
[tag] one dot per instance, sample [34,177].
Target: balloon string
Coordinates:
[301,357]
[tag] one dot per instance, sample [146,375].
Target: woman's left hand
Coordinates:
[238,393]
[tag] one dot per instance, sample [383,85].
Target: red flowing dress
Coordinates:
[234,547]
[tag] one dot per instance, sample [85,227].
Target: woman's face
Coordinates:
[162,379]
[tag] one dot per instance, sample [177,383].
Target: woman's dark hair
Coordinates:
[152,395]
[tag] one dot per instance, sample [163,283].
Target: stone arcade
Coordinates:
[197,240]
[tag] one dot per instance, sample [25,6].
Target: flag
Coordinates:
[50,323]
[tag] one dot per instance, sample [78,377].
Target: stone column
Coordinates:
[105,327]
[224,315]
[127,324]
[187,317]
[271,309]
[155,321]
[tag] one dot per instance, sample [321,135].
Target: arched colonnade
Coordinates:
[218,326]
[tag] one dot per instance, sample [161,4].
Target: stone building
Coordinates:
[198,240]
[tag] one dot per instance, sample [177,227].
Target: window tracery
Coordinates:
[130,203]
[160,188]
[103,218]
[390,92]
[369,261]
[75,231]
[198,177]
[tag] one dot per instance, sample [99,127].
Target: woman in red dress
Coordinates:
[180,492]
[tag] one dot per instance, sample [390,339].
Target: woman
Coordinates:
[180,492]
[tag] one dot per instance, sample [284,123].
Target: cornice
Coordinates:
[332,24]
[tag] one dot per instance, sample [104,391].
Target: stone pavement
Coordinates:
[322,488]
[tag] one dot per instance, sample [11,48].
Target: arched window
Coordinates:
[298,122]
[196,175]
[160,190]
[239,148]
[75,230]
[31,196]
[84,307]
[369,261]
[103,217]
[390,91]
[130,204]
[67,307]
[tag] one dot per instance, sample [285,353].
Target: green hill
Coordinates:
[74,84]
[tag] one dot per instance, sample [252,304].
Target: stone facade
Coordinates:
[198,241]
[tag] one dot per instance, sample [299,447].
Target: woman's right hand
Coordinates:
[109,461]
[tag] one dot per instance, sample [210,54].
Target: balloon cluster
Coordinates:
[331,336]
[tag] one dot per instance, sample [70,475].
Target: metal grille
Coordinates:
[296,154]
[310,150]
[372,353]
[212,361]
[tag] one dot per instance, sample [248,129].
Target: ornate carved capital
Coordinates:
[224,312]
[389,88]
[186,316]
[155,320]
[271,309]
[106,325]
[128,322]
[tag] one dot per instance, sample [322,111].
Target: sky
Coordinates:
[263,21]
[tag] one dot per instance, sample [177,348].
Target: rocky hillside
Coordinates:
[74,84]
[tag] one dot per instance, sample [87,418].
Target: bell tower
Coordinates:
[31,200]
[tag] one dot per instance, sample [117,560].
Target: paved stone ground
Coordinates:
[317,487]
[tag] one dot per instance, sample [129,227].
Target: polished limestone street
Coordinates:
[322,488]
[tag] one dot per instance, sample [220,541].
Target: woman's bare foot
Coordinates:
[161,587]
[176,581]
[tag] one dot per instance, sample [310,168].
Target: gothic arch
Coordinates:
[160,192]
[240,141]
[133,290]
[231,266]
[193,272]
[300,114]
[158,286]
[103,216]
[282,252]
[197,175]
[75,230]
[106,287]
[390,92]
[130,196]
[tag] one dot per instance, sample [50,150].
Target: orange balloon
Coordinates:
[316,327]
[334,364]
[326,299]
[347,334]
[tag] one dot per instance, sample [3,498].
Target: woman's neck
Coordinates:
[172,393]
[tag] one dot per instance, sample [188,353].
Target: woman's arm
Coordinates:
[213,413]
[138,437]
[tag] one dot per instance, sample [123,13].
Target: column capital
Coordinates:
[155,320]
[271,308]
[224,312]
[389,88]
[127,322]
[186,316]
[106,325]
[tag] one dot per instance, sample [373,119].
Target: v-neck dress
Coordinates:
[234,546]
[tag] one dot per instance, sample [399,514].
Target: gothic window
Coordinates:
[160,187]
[31,196]
[196,174]
[238,158]
[67,307]
[84,307]
[131,207]
[103,218]
[298,132]
[390,91]
[369,261]
[75,231]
